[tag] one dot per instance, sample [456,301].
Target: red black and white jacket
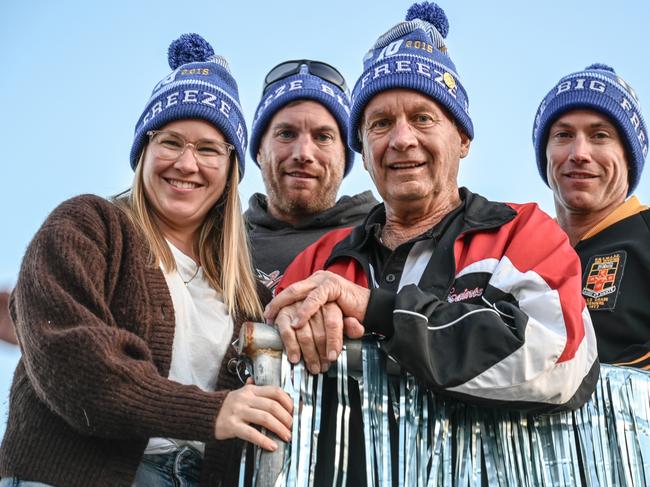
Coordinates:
[486,306]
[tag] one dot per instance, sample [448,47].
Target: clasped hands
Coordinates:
[315,314]
[312,315]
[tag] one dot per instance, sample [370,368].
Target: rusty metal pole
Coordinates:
[262,344]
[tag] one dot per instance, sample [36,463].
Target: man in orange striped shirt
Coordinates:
[591,142]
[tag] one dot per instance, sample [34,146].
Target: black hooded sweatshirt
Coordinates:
[275,243]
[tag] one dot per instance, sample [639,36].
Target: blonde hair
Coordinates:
[222,246]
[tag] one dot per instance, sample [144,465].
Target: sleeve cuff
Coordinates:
[379,315]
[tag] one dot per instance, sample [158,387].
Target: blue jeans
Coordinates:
[16,482]
[180,468]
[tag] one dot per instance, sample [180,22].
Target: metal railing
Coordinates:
[446,442]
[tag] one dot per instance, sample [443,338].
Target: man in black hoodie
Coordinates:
[298,141]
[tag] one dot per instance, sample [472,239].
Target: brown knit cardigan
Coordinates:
[95,324]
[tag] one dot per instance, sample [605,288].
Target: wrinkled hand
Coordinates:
[320,341]
[266,406]
[323,292]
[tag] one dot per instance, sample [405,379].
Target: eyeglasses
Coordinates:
[170,146]
[317,68]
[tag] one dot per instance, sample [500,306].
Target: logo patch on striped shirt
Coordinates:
[602,280]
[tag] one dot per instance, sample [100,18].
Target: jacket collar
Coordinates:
[478,213]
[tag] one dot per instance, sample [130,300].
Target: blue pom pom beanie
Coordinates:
[597,88]
[200,87]
[302,86]
[412,55]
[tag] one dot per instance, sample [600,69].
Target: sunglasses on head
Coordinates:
[317,68]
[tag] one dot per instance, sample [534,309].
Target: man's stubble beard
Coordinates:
[304,206]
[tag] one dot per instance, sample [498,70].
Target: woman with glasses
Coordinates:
[126,309]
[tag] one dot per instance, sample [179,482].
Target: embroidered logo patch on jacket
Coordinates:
[464,295]
[602,280]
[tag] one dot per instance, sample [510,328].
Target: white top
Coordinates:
[201,337]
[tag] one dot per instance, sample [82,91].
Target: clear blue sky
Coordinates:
[76,74]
